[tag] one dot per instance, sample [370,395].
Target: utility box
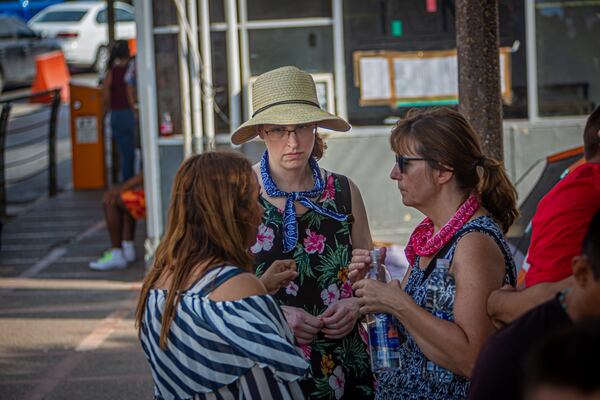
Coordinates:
[87,137]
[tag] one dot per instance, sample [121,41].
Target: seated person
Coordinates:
[499,370]
[558,227]
[123,205]
[208,326]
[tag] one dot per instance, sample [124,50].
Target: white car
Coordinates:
[81,28]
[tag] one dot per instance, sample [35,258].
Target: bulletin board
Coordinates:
[415,78]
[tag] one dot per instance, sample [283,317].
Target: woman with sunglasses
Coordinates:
[468,202]
[315,217]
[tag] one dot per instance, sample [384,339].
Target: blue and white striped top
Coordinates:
[240,349]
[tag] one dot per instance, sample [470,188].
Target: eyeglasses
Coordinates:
[401,161]
[301,131]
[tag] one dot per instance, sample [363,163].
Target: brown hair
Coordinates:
[319,147]
[208,224]
[444,136]
[591,137]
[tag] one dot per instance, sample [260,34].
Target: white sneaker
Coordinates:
[128,250]
[111,259]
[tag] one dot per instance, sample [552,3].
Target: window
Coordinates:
[62,16]
[568,60]
[270,9]
[121,15]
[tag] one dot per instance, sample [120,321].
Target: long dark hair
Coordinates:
[209,220]
[119,50]
[446,137]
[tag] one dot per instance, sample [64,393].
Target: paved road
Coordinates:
[66,332]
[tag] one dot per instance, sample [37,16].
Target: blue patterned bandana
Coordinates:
[290,225]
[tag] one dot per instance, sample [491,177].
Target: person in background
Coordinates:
[122,118]
[558,227]
[468,202]
[315,217]
[501,366]
[207,324]
[123,205]
[563,366]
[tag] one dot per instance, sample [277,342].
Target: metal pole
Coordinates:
[197,128]
[338,58]
[479,71]
[207,80]
[233,65]
[184,82]
[245,55]
[110,22]
[146,86]
[3,127]
[52,186]
[532,83]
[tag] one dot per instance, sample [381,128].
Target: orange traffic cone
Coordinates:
[51,73]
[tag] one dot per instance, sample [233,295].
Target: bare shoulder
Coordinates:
[477,244]
[477,248]
[239,287]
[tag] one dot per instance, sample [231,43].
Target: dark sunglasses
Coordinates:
[401,161]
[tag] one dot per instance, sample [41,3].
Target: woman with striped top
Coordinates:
[207,325]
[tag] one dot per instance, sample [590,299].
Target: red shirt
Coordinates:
[560,223]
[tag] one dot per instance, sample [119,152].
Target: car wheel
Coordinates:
[102,56]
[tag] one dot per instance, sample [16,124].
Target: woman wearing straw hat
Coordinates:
[315,217]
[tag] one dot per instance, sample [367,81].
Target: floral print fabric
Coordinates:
[340,369]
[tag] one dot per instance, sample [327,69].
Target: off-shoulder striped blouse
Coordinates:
[239,349]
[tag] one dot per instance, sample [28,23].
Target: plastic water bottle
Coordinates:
[439,300]
[384,340]
[166,125]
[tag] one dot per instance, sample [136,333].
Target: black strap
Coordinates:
[437,255]
[345,196]
[307,102]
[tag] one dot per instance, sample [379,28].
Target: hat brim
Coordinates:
[288,114]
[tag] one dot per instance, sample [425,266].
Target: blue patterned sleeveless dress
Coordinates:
[407,382]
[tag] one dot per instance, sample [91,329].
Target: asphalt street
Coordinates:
[66,332]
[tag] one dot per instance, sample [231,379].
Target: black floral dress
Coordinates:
[340,368]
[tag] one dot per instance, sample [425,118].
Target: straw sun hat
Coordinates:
[286,96]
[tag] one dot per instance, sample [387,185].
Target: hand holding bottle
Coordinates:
[361,263]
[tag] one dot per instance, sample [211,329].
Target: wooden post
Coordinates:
[479,71]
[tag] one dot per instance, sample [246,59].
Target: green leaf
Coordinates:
[352,355]
[330,263]
[302,263]
[314,219]
[272,216]
[323,390]
[261,269]
[367,390]
[344,230]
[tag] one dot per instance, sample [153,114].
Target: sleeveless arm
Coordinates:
[361,235]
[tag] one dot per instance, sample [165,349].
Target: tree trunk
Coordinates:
[479,71]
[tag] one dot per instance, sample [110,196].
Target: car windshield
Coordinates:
[61,16]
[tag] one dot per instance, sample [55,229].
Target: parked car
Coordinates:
[81,28]
[25,9]
[19,46]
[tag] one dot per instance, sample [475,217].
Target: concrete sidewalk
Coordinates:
[67,332]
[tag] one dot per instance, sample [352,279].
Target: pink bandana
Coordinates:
[424,243]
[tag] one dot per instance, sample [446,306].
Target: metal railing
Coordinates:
[28,128]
